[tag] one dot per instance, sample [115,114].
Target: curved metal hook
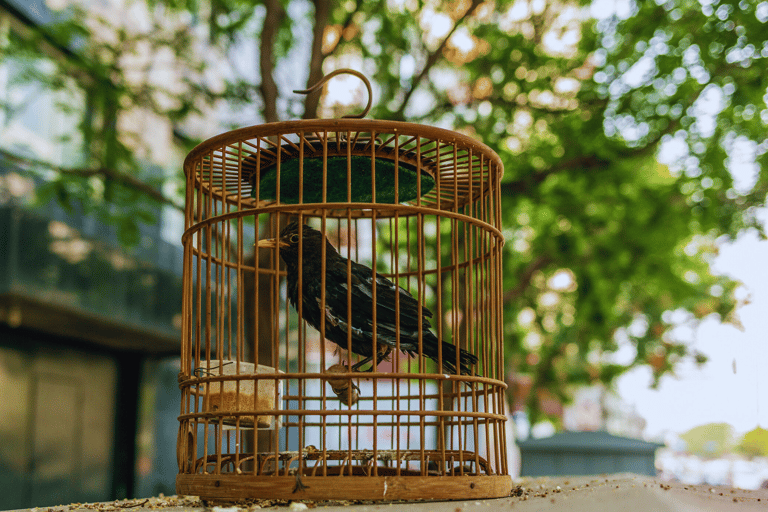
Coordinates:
[348,71]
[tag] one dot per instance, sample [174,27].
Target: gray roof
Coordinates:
[588,441]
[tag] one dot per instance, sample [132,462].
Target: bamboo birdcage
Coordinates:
[419,204]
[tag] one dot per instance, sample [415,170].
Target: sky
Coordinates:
[732,387]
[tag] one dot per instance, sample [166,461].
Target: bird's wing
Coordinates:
[387,293]
[362,297]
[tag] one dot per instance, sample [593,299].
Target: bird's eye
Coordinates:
[294,239]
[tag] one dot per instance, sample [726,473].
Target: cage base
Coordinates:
[233,487]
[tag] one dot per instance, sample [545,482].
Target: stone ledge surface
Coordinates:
[602,493]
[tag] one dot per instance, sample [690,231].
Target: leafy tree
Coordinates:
[755,442]
[711,440]
[617,130]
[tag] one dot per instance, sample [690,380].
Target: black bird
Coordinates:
[336,315]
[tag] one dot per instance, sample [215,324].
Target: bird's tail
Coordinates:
[466,360]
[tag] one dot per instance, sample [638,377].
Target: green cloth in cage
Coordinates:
[337,181]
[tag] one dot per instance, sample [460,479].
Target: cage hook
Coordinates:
[348,72]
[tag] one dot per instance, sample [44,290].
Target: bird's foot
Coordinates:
[370,369]
[356,367]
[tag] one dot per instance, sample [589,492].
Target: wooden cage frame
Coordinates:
[430,435]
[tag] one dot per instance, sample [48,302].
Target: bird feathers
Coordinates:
[348,282]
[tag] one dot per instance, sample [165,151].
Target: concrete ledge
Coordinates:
[604,493]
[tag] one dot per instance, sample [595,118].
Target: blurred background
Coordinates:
[633,135]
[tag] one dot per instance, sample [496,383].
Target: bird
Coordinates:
[339,322]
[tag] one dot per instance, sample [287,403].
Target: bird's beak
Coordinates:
[271,243]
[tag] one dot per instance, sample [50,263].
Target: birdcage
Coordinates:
[270,407]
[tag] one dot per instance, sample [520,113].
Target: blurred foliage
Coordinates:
[617,124]
[755,443]
[711,440]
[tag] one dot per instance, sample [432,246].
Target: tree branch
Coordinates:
[322,13]
[348,20]
[525,278]
[432,60]
[268,88]
[103,172]
[533,180]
